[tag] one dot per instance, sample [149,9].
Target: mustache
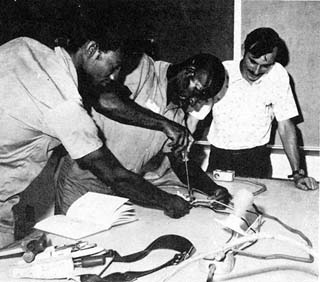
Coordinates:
[252,72]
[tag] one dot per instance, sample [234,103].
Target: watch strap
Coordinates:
[297,174]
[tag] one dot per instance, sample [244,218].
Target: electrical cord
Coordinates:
[310,259]
[257,212]
[262,186]
[240,241]
[252,239]
[209,204]
[272,256]
[296,231]
[260,271]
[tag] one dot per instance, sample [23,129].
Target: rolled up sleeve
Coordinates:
[284,106]
[70,123]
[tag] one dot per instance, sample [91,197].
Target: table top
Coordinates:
[296,208]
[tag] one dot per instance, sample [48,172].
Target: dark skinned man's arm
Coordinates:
[198,179]
[103,164]
[112,101]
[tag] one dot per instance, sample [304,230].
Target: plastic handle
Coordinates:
[90,261]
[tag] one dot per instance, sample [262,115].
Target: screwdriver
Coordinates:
[186,159]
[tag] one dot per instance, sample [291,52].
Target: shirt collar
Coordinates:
[66,60]
[237,73]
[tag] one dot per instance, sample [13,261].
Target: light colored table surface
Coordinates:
[296,208]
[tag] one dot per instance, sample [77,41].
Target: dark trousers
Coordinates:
[254,162]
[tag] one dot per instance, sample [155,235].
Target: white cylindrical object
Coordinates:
[242,200]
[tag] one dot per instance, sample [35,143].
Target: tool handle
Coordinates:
[90,261]
[34,247]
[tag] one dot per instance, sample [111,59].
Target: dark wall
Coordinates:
[43,20]
[179,28]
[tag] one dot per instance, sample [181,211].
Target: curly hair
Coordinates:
[212,65]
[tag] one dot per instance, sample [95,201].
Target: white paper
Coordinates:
[90,214]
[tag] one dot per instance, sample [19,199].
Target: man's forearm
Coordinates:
[112,101]
[293,156]
[126,111]
[288,137]
[103,164]
[146,195]
[289,140]
[198,179]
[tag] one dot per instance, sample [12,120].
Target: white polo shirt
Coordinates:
[242,119]
[40,108]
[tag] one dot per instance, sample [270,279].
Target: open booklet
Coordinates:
[88,215]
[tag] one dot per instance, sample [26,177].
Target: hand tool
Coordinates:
[28,247]
[186,159]
[34,247]
[89,261]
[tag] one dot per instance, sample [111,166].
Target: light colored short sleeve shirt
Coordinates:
[242,119]
[40,108]
[134,146]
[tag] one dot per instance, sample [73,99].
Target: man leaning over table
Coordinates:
[41,108]
[258,91]
[182,92]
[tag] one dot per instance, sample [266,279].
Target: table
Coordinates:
[297,208]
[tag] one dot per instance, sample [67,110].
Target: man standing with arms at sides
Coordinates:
[258,91]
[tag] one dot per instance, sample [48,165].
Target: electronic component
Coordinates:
[243,199]
[223,175]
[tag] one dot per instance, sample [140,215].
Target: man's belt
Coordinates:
[177,243]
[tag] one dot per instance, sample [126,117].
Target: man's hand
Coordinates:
[179,135]
[176,206]
[222,195]
[306,183]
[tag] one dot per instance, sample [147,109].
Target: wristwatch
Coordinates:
[297,174]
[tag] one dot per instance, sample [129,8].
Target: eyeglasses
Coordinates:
[201,84]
